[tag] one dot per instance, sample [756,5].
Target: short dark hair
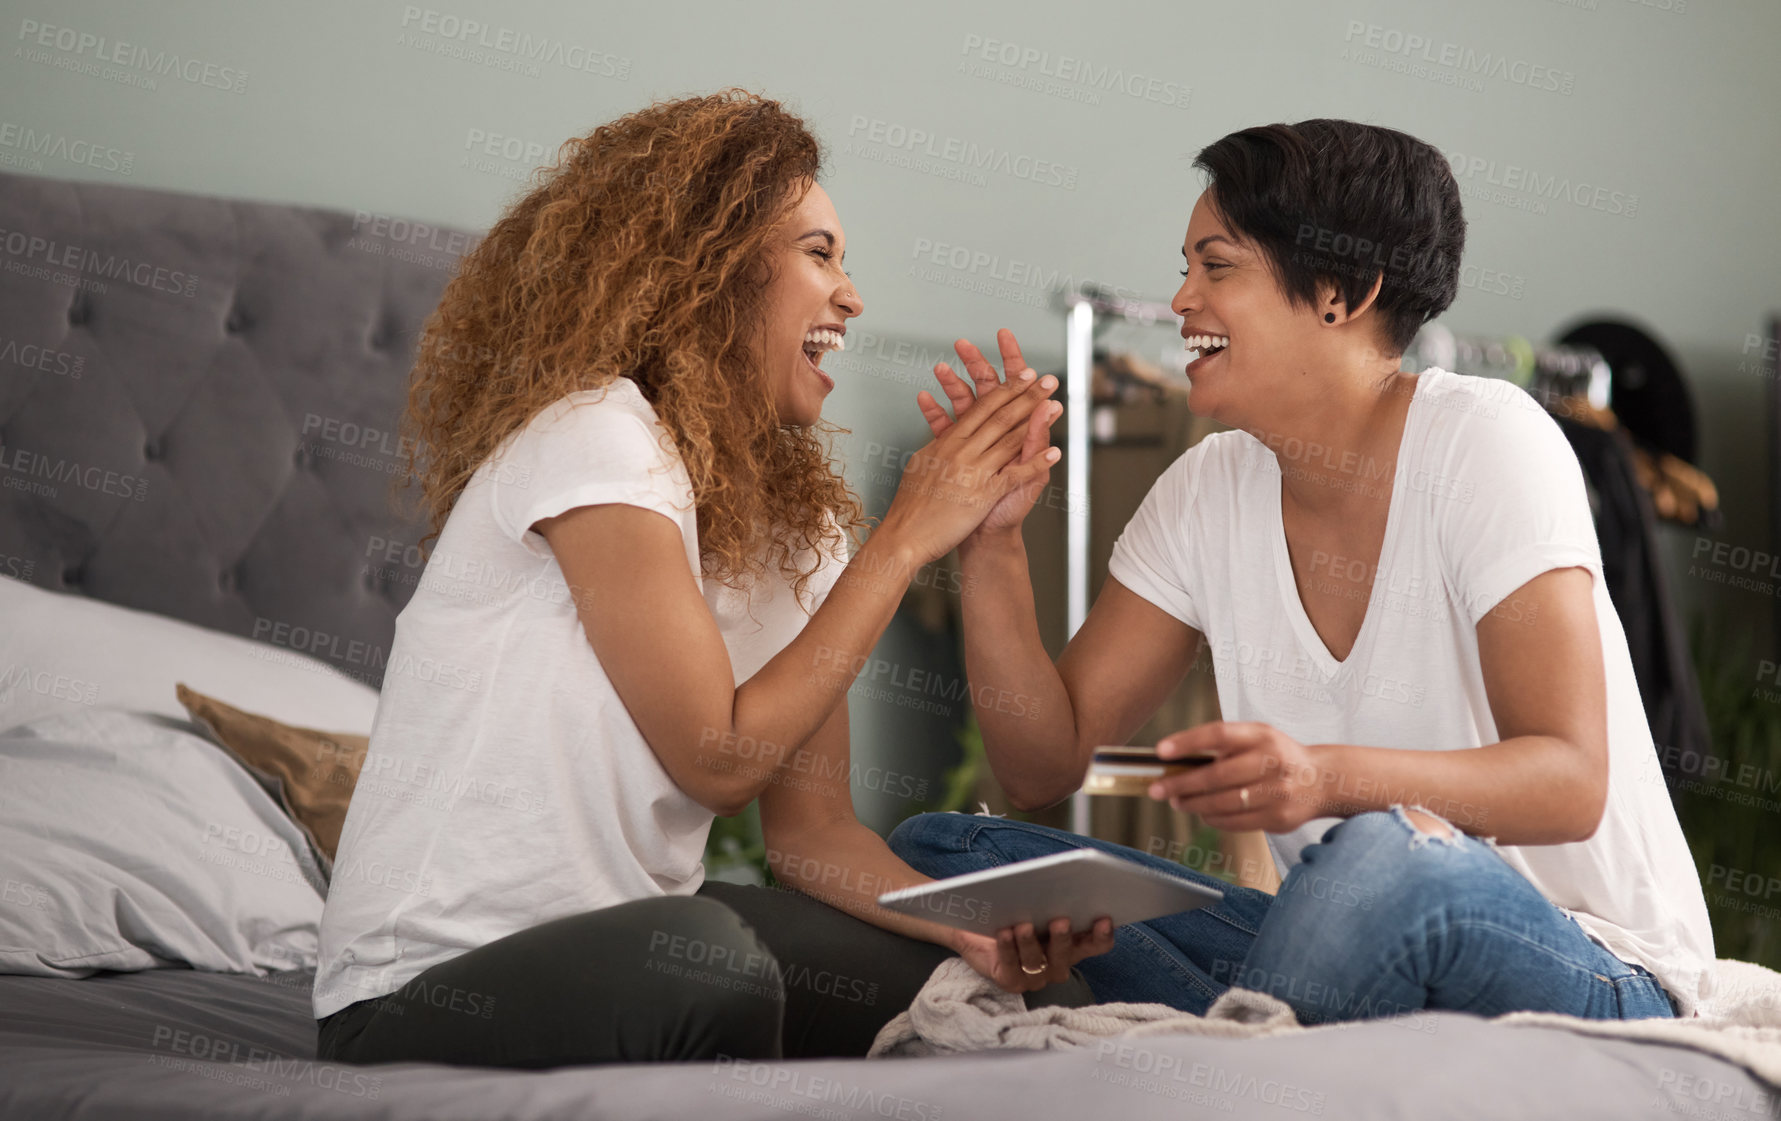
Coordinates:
[1337,201]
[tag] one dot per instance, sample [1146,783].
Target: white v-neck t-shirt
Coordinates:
[505,784]
[1486,494]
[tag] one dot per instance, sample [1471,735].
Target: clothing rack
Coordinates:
[1551,374]
[1573,381]
[1087,309]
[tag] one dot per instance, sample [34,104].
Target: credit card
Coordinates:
[1129,771]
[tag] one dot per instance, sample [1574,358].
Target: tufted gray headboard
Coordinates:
[198,405]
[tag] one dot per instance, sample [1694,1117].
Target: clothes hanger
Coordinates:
[1608,375]
[1680,492]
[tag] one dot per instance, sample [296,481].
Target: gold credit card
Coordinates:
[1129,771]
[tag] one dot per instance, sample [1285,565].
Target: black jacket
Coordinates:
[1626,526]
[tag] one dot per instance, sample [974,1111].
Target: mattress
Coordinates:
[180,1044]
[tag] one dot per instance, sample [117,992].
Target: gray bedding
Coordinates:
[178,1044]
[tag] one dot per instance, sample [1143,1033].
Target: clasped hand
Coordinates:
[988,462]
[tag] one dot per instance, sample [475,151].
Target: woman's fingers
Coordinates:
[1230,773]
[1097,939]
[1039,429]
[1023,448]
[1006,967]
[1031,951]
[1010,414]
[1012,360]
[984,374]
[1060,952]
[993,401]
[932,412]
[1007,450]
[1027,478]
[978,366]
[957,390]
[1101,939]
[1218,736]
[1026,960]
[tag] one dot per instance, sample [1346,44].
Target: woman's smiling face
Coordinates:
[1229,292]
[809,301]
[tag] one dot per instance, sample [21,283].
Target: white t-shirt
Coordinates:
[506,784]
[1486,495]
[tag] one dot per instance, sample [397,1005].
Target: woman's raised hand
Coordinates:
[975,462]
[1012,508]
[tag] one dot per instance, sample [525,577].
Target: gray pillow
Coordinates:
[129,841]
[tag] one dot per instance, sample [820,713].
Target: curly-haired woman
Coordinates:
[639,614]
[1429,705]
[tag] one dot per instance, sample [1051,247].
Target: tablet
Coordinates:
[1080,885]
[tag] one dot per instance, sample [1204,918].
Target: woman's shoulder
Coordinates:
[1218,451]
[1222,462]
[1468,401]
[1211,472]
[1487,420]
[616,403]
[614,417]
[606,436]
[1490,447]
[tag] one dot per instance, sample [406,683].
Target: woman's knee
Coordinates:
[1387,836]
[719,989]
[948,844]
[693,933]
[926,837]
[1403,860]
[670,978]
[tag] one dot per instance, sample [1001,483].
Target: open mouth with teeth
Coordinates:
[818,342]
[1208,346]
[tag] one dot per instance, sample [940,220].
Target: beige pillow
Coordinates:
[311,773]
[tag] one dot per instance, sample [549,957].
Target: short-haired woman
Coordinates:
[1429,705]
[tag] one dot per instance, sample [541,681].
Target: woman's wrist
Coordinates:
[957,940]
[1328,786]
[1006,541]
[894,552]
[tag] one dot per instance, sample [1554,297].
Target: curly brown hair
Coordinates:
[642,253]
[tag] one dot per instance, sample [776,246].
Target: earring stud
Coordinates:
[1329,317]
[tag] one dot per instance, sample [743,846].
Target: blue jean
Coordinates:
[1379,918]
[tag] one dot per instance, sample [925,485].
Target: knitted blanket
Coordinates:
[959,1010]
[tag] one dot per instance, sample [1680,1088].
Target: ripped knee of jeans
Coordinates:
[1425,825]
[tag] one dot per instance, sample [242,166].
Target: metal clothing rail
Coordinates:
[1083,307]
[1549,373]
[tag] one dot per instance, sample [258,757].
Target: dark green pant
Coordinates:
[742,972]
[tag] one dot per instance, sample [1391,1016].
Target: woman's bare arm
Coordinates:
[642,610]
[817,845]
[1545,781]
[1041,723]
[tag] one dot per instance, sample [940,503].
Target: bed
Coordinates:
[178,1045]
[196,441]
